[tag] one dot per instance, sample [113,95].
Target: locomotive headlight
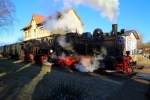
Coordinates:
[51,51]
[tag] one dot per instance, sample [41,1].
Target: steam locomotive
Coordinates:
[109,46]
[106,45]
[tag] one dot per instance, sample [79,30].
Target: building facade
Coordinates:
[36,29]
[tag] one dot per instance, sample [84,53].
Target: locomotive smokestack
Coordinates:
[114,29]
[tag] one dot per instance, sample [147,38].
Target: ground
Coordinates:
[26,81]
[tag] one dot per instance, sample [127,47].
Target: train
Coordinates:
[109,45]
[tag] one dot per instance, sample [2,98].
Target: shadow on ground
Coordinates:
[31,82]
[16,78]
[59,85]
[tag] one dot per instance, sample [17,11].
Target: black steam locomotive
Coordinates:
[87,44]
[41,50]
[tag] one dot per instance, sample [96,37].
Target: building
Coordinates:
[131,38]
[36,29]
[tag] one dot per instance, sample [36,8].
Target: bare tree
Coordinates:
[6,13]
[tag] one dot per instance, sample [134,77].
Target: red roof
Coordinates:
[135,33]
[38,19]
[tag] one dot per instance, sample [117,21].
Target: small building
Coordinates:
[131,38]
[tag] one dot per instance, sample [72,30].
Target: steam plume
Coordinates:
[66,45]
[91,63]
[108,8]
[63,22]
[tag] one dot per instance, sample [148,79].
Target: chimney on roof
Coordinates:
[114,29]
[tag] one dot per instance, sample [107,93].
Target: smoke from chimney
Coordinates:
[62,22]
[66,45]
[108,8]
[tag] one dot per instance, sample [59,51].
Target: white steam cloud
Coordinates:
[63,22]
[91,63]
[107,8]
[66,45]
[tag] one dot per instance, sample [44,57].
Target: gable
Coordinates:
[76,15]
[131,36]
[132,32]
[36,19]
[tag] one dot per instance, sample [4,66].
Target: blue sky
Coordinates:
[133,14]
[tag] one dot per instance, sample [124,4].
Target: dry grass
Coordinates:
[141,60]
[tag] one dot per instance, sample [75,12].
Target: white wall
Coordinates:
[35,32]
[131,43]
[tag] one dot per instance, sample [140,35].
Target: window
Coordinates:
[34,30]
[35,33]
[26,34]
